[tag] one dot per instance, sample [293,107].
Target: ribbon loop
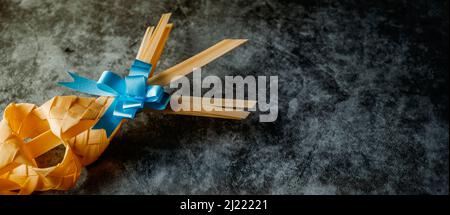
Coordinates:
[140,68]
[154,93]
[136,86]
[111,82]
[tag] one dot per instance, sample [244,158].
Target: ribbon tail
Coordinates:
[109,121]
[84,85]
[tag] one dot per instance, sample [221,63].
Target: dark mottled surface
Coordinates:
[363,93]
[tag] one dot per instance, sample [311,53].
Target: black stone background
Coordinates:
[363,102]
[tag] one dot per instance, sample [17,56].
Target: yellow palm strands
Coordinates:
[62,120]
[227,108]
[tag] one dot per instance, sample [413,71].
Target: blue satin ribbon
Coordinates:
[132,94]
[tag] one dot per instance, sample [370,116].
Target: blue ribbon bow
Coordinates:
[131,93]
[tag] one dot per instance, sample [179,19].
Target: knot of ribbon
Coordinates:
[131,93]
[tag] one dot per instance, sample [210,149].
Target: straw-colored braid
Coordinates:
[27,131]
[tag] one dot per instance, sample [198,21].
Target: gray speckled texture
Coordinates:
[363,93]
